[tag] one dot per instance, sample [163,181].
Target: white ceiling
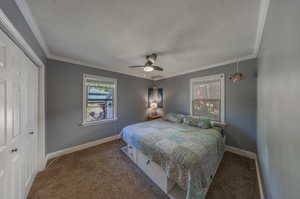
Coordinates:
[188,35]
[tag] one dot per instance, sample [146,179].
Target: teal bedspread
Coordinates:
[189,155]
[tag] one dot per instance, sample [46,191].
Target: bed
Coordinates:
[181,159]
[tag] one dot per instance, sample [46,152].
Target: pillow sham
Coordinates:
[202,123]
[174,117]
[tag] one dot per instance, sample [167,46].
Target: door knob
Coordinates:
[31,133]
[14,150]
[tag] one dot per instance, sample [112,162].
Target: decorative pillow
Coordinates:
[197,122]
[174,117]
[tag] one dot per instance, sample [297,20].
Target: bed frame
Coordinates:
[157,174]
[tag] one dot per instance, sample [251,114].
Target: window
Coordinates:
[207,97]
[99,99]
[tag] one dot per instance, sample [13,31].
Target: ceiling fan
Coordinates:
[148,67]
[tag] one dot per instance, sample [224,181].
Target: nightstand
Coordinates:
[154,117]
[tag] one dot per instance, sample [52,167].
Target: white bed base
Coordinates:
[157,174]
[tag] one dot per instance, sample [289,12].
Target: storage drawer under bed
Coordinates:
[131,152]
[150,168]
[154,172]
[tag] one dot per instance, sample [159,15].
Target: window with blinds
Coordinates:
[99,103]
[207,97]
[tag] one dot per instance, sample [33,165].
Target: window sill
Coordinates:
[97,122]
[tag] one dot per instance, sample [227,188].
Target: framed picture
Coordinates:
[160,103]
[155,95]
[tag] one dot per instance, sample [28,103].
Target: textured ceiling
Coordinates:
[112,34]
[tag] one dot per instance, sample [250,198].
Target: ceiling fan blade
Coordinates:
[158,68]
[135,66]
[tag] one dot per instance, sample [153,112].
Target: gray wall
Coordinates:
[279,101]
[240,101]
[13,13]
[64,105]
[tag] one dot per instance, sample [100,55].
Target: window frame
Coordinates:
[84,99]
[220,77]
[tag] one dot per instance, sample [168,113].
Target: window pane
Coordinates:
[206,99]
[99,100]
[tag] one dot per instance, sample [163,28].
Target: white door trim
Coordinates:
[41,123]
[15,35]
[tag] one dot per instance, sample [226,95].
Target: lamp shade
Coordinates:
[153,105]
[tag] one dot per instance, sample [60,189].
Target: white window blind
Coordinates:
[207,97]
[99,99]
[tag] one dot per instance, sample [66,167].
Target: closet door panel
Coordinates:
[18,120]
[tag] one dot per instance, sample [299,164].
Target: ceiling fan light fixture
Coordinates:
[149,65]
[148,68]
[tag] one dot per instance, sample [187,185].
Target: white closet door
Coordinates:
[29,103]
[3,119]
[18,120]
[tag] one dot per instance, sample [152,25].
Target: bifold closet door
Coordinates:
[18,120]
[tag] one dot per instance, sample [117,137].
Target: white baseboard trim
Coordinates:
[30,184]
[81,147]
[261,192]
[241,152]
[253,156]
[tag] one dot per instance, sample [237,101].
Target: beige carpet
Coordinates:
[104,172]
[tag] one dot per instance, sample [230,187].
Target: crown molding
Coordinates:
[77,62]
[25,10]
[13,33]
[231,61]
[72,61]
[263,9]
[263,12]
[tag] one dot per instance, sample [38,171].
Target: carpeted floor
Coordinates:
[104,172]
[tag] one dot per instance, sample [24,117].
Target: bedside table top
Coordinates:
[154,117]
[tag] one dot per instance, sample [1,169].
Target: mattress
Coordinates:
[187,154]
